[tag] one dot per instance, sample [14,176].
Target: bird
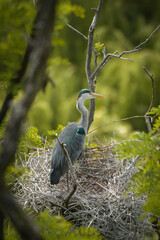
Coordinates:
[73,136]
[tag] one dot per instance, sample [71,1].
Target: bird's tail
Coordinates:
[54,177]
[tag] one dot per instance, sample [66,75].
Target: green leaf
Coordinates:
[32,137]
[57,131]
[98,46]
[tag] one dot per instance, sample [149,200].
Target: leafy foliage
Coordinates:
[13,173]
[15,18]
[65,8]
[156,115]
[99,47]
[56,227]
[32,137]
[57,131]
[146,181]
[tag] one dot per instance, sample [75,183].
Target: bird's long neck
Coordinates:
[84,114]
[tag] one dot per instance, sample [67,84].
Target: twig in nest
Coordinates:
[74,182]
[152,100]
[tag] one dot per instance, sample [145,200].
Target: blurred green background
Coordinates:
[122,25]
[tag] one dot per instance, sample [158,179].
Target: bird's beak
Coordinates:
[96,95]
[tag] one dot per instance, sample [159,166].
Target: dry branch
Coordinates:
[119,120]
[152,100]
[109,56]
[90,45]
[90,80]
[147,39]
[68,25]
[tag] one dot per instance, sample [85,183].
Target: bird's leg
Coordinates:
[67,181]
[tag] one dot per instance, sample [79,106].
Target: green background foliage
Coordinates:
[56,228]
[122,25]
[145,147]
[16,22]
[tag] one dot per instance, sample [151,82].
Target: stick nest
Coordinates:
[100,201]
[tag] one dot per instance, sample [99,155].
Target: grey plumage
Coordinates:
[59,165]
[73,135]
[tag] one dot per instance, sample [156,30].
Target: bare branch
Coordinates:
[95,63]
[108,57]
[88,61]
[138,47]
[152,100]
[68,25]
[120,120]
[132,117]
[73,176]
[153,89]
[90,45]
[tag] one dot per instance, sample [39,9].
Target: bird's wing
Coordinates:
[73,136]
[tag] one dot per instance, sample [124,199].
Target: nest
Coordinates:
[100,201]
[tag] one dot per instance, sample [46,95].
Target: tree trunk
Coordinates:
[39,45]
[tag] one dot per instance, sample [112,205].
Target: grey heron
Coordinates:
[73,135]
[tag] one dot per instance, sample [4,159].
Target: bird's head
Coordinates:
[85,94]
[88,94]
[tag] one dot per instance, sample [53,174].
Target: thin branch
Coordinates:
[68,25]
[139,46]
[152,100]
[73,176]
[120,120]
[88,61]
[153,89]
[108,57]
[95,63]
[111,192]
[90,44]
